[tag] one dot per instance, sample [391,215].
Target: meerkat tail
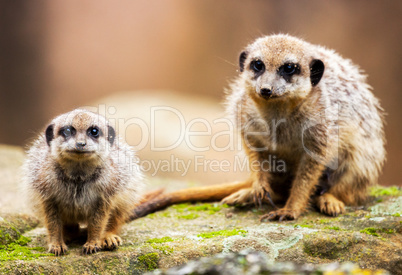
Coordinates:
[206,193]
[150,196]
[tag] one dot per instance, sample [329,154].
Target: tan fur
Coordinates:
[338,118]
[95,185]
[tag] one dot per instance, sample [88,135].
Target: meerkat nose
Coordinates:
[265,93]
[80,145]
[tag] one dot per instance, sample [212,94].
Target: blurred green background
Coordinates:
[57,55]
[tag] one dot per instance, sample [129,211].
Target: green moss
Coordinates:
[324,221]
[303,225]
[151,216]
[353,214]
[10,234]
[370,231]
[150,260]
[15,251]
[224,233]
[157,215]
[378,191]
[327,246]
[388,231]
[396,215]
[23,240]
[205,207]
[180,206]
[160,240]
[337,228]
[165,249]
[13,245]
[190,216]
[165,214]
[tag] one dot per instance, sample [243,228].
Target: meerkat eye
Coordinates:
[288,70]
[67,131]
[257,66]
[93,132]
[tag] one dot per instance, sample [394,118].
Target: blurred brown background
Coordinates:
[57,55]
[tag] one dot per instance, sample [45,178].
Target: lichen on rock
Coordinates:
[369,236]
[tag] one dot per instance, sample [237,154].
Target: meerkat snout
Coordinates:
[266,93]
[80,145]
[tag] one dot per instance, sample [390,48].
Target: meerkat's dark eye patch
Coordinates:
[242,59]
[316,71]
[67,131]
[49,134]
[93,132]
[258,67]
[288,70]
[111,134]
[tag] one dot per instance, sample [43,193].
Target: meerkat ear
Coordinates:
[111,134]
[49,134]
[242,59]
[316,71]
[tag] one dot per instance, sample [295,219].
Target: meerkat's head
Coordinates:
[80,136]
[280,67]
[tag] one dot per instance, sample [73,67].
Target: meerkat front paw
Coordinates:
[57,249]
[330,205]
[262,194]
[111,241]
[91,247]
[241,197]
[281,215]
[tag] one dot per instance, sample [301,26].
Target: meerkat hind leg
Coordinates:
[330,205]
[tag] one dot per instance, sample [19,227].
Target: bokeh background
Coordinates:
[57,55]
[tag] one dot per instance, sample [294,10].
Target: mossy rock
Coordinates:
[369,236]
[329,246]
[256,263]
[13,225]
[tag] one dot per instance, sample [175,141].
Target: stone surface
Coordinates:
[251,262]
[369,236]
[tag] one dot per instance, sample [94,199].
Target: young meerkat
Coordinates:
[308,107]
[79,172]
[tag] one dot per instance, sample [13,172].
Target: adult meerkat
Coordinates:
[311,108]
[317,113]
[79,172]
